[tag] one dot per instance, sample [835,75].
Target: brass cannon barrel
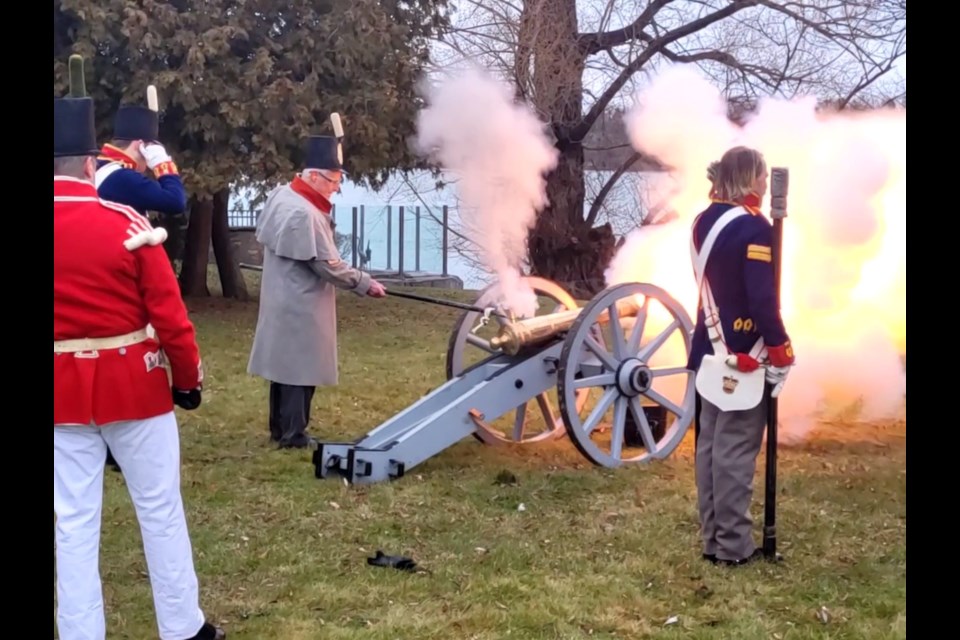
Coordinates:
[516,335]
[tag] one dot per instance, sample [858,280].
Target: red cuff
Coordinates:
[168,168]
[746,364]
[781,356]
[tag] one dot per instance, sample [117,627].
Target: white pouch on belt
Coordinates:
[727,387]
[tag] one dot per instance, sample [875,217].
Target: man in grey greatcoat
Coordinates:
[295,345]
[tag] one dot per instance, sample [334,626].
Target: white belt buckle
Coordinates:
[87,354]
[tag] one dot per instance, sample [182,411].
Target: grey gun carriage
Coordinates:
[619,389]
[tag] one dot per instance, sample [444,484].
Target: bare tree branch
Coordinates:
[602,195]
[592,43]
[653,48]
[866,82]
[574,60]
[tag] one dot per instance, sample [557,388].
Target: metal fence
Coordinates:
[404,239]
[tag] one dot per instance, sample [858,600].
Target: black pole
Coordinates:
[411,296]
[389,237]
[445,303]
[416,266]
[355,245]
[400,240]
[446,241]
[362,235]
[779,182]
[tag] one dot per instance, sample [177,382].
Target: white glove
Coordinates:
[155,155]
[776,376]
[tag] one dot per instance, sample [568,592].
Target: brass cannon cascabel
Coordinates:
[516,335]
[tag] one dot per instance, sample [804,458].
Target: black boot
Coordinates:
[297,442]
[209,632]
[753,557]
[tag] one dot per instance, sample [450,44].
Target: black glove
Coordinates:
[188,400]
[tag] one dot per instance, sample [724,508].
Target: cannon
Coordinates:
[577,364]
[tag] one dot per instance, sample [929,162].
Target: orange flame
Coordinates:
[844,242]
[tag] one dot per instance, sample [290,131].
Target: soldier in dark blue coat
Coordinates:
[120,171]
[133,150]
[750,333]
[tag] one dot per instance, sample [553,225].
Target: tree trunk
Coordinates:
[231,279]
[562,246]
[196,254]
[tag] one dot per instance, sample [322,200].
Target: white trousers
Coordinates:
[148,451]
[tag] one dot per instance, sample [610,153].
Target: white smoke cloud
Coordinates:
[499,152]
[682,133]
[844,261]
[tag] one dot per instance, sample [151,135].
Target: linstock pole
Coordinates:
[444,303]
[779,185]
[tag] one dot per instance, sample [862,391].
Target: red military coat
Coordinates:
[111,277]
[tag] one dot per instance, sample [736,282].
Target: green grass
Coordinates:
[595,554]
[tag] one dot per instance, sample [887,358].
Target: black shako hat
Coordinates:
[324,152]
[74,132]
[134,122]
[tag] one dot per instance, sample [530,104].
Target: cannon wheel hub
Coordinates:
[633,377]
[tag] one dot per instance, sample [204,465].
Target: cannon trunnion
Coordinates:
[611,376]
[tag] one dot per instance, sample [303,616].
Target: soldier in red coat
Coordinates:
[115,386]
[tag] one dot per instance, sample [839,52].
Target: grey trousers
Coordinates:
[290,414]
[726,459]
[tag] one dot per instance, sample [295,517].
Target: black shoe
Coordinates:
[753,557]
[710,557]
[209,632]
[396,562]
[300,443]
